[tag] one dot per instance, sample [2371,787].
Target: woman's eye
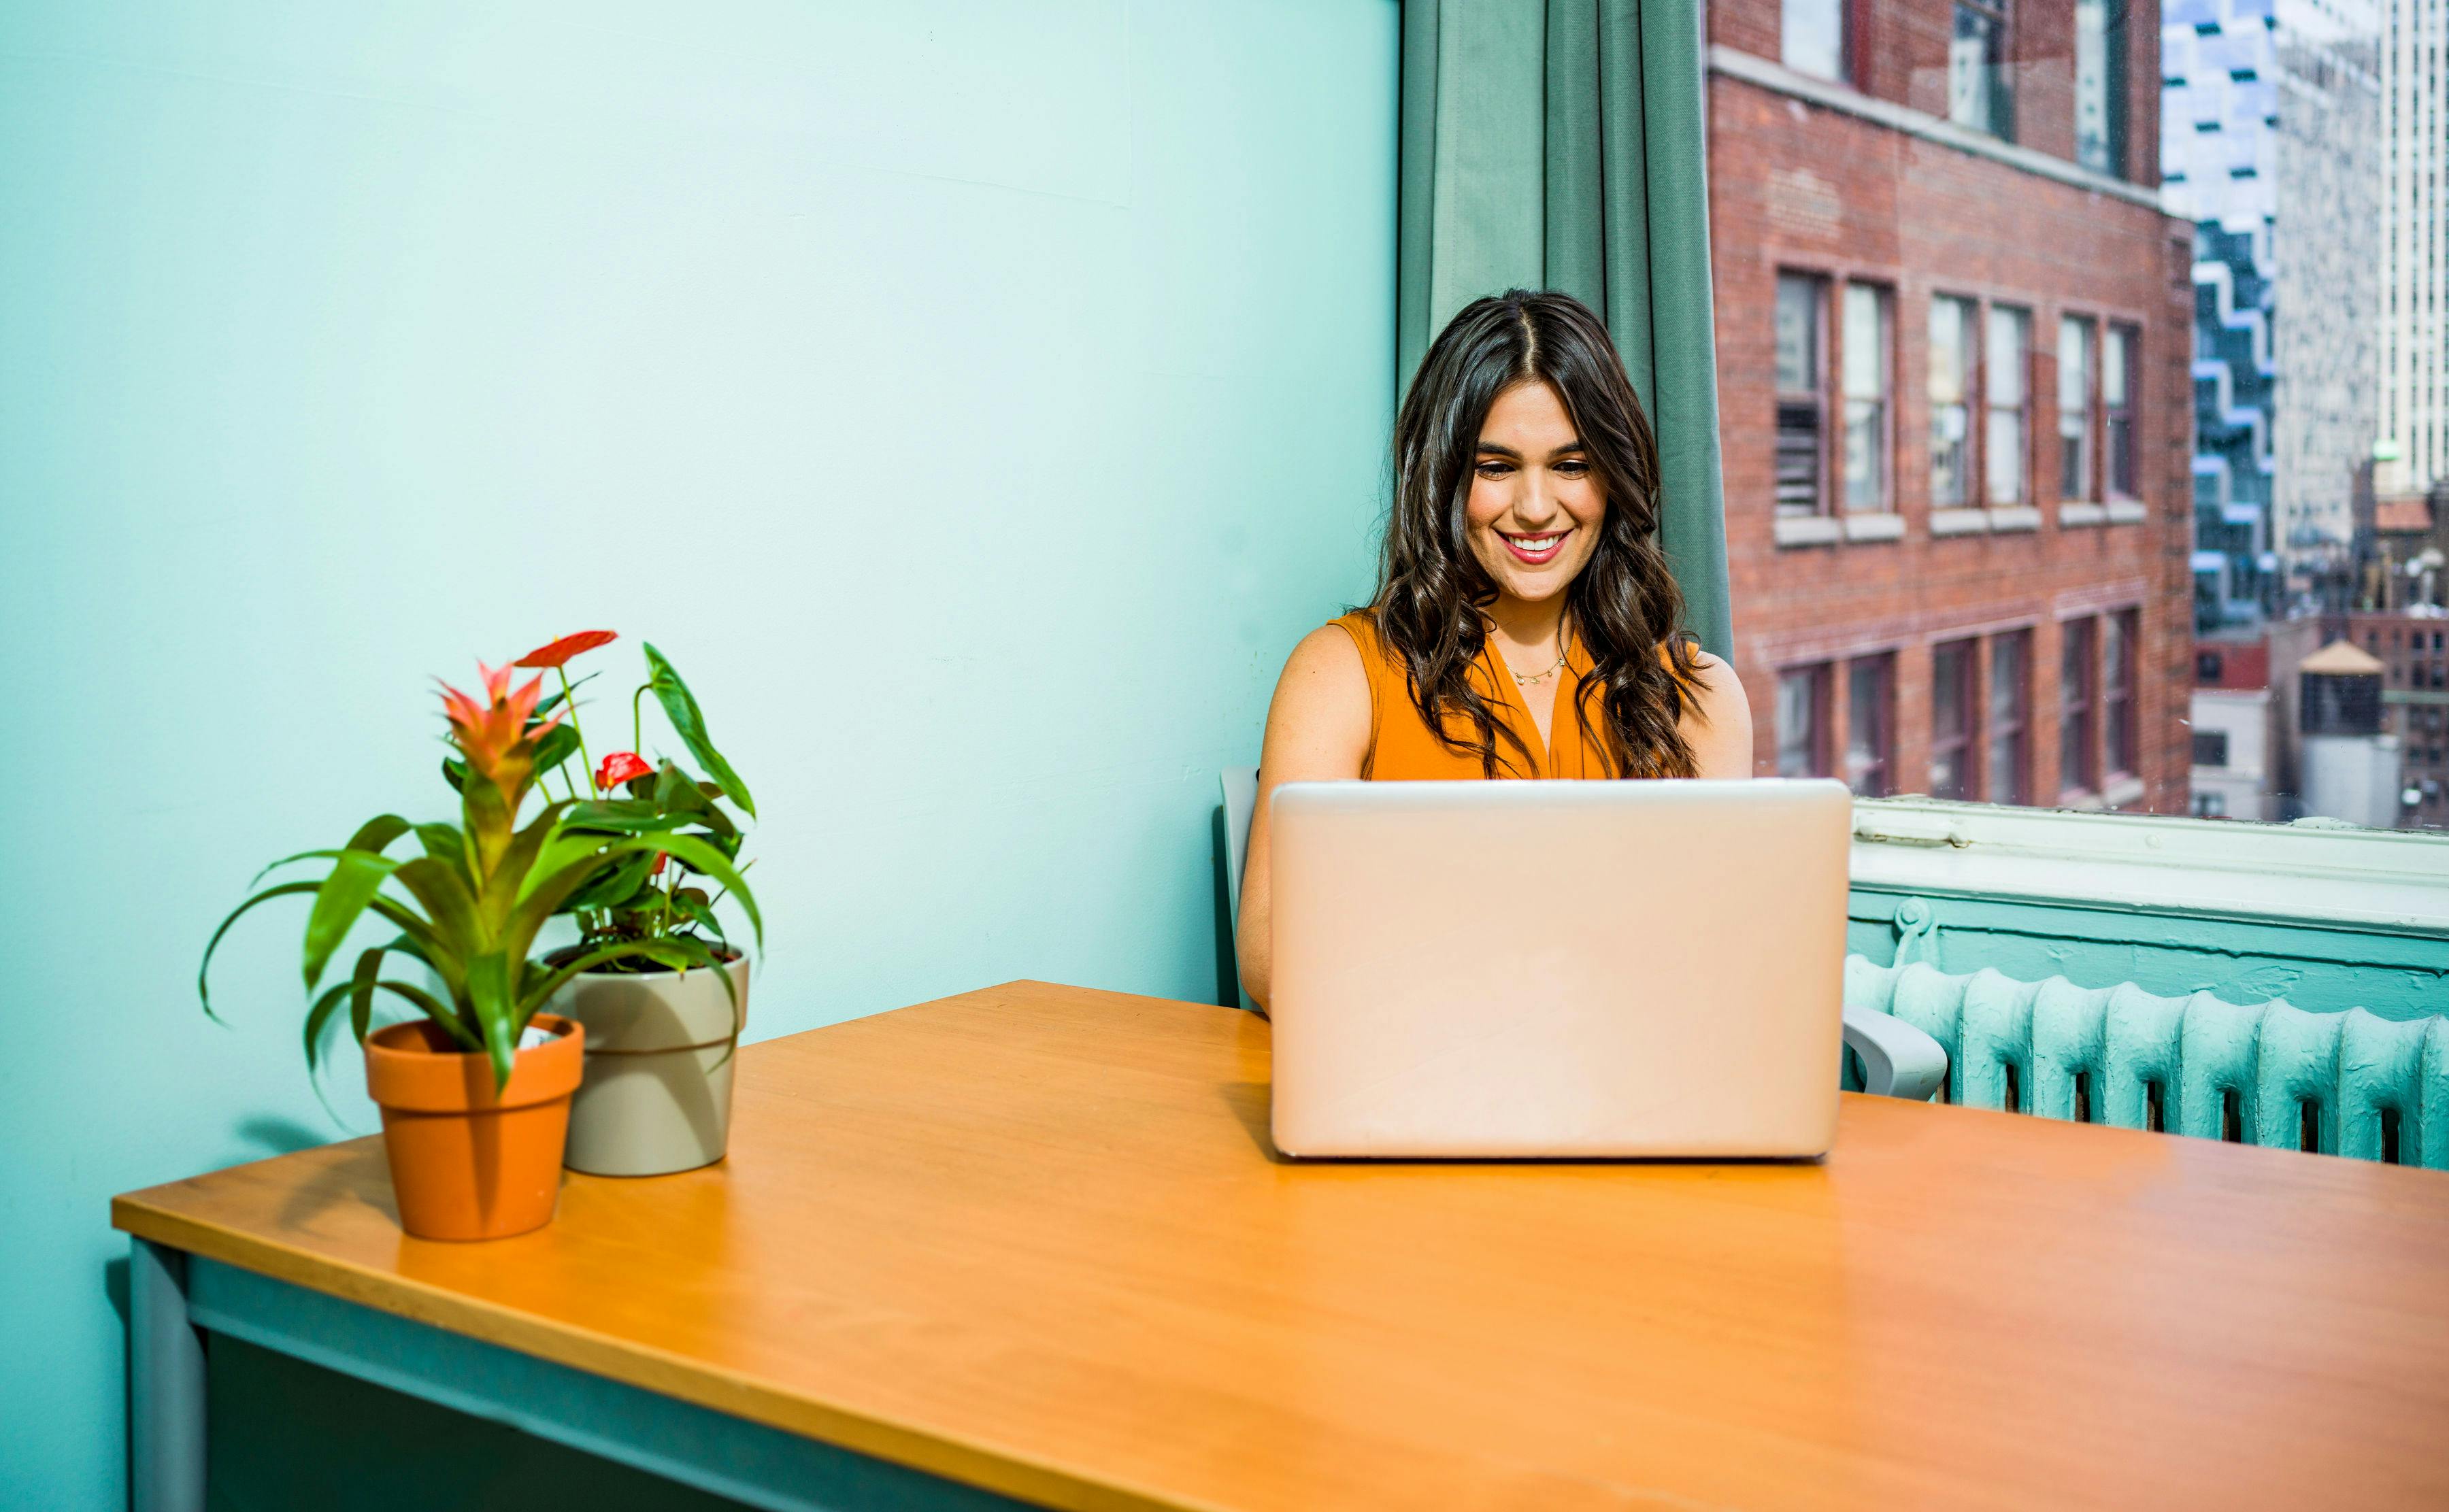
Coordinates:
[1494,469]
[1572,469]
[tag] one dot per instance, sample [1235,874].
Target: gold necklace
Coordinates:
[1535,678]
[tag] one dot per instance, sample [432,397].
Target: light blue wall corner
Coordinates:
[975,401]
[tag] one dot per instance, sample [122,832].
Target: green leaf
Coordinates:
[680,707]
[378,833]
[204,994]
[559,744]
[663,952]
[614,889]
[498,1020]
[455,772]
[502,887]
[443,892]
[343,897]
[321,1015]
[567,862]
[553,700]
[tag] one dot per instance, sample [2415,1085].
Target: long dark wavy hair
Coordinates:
[1623,604]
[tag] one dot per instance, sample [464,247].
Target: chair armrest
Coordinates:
[1899,1060]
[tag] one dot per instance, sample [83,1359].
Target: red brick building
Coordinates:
[1954,331]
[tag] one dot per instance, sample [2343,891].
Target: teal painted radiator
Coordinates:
[2341,1083]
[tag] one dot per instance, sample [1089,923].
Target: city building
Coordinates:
[2405,654]
[2270,121]
[1955,331]
[2233,729]
[2413,260]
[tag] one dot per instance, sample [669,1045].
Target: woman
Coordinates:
[1521,562]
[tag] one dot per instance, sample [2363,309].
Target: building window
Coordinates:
[2077,669]
[1814,37]
[2208,806]
[2117,384]
[1870,743]
[1953,738]
[1865,361]
[1800,345]
[2011,700]
[2004,445]
[2101,85]
[1951,371]
[1978,95]
[2210,748]
[2117,691]
[2074,408]
[1803,721]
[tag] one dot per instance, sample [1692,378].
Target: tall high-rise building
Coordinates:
[2269,123]
[2414,262]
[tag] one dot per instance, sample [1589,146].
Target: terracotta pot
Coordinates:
[467,1161]
[660,1051]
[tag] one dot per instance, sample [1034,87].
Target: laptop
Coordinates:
[1520,969]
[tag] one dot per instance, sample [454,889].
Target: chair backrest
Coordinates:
[1241,797]
[2349,1083]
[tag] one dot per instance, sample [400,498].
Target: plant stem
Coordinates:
[637,731]
[570,702]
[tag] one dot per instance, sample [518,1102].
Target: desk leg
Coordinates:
[165,1385]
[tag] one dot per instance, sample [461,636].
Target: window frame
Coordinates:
[1963,747]
[1875,778]
[1820,675]
[2122,418]
[1968,400]
[2079,706]
[2007,756]
[1997,89]
[1783,399]
[2120,730]
[2086,489]
[1883,302]
[1845,16]
[2019,318]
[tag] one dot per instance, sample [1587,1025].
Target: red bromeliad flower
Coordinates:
[489,732]
[620,766]
[561,650]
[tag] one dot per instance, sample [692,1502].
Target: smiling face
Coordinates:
[1536,501]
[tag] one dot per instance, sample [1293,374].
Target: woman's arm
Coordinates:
[1318,730]
[1722,743]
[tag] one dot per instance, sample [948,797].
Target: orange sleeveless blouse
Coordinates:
[1402,748]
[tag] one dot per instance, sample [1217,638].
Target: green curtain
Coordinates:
[1560,144]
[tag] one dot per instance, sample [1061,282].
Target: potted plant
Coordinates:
[663,993]
[475,1093]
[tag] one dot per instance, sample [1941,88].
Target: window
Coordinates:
[1803,721]
[1865,361]
[2101,85]
[2011,661]
[2074,408]
[1977,70]
[1869,726]
[2003,444]
[1800,297]
[2078,770]
[1952,714]
[1814,37]
[2210,748]
[2118,384]
[2117,691]
[1951,369]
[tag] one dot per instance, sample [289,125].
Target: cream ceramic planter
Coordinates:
[660,1052]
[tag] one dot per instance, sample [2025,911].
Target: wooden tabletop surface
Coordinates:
[1034,1237]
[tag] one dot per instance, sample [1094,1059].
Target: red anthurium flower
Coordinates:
[567,646]
[489,732]
[657,870]
[620,766]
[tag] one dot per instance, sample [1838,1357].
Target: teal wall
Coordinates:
[975,400]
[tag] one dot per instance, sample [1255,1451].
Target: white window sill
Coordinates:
[2015,517]
[2396,880]
[1958,522]
[2071,514]
[2127,512]
[2121,791]
[1806,529]
[1875,527]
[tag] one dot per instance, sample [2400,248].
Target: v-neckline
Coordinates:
[1510,690]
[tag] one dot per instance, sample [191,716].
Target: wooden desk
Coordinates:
[1032,1239]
